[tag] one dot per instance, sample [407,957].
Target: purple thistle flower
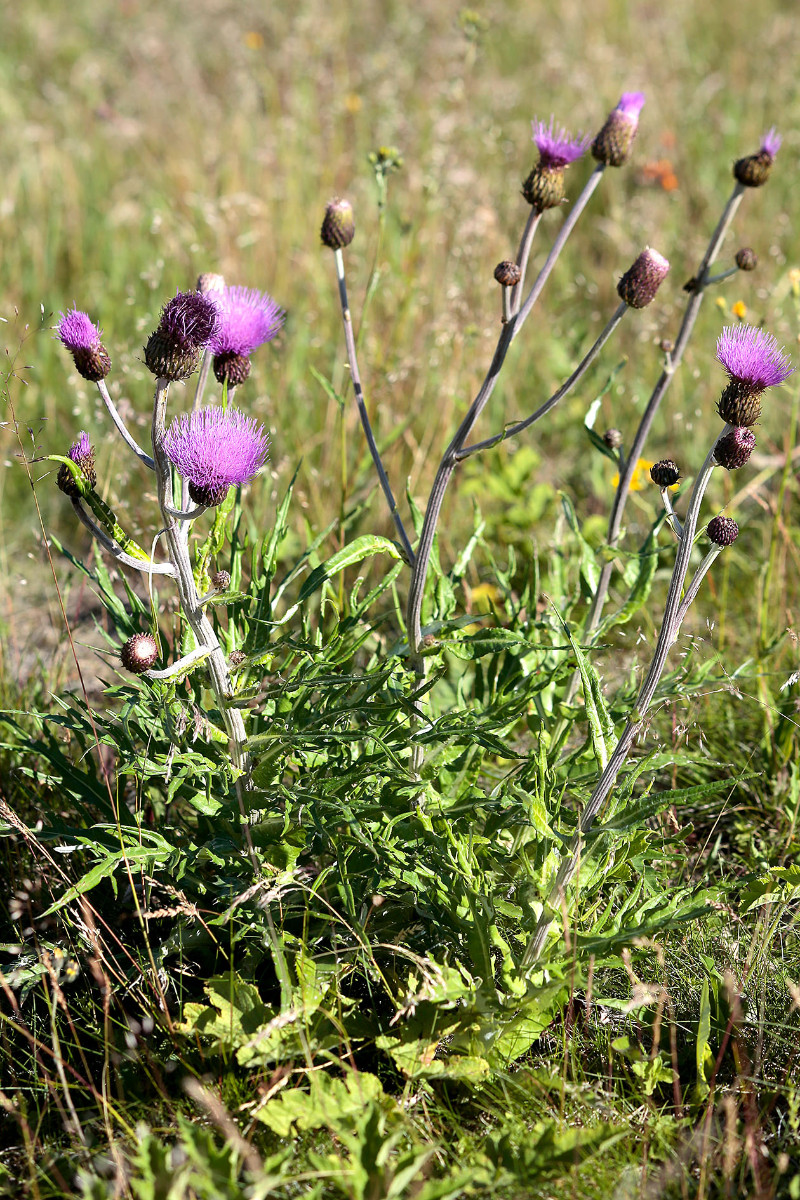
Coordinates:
[247,319]
[81,449]
[81,452]
[771,142]
[189,320]
[77,331]
[557,148]
[612,145]
[752,358]
[214,448]
[630,105]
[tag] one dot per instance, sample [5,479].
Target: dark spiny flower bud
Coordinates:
[722,531]
[613,438]
[231,368]
[338,227]
[236,658]
[188,322]
[82,338]
[746,259]
[210,281]
[139,653]
[734,448]
[612,145]
[667,345]
[82,454]
[507,273]
[639,284]
[754,170]
[665,473]
[221,580]
[544,187]
[739,404]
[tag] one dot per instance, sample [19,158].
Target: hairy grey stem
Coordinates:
[694,586]
[523,254]
[188,514]
[566,387]
[198,622]
[672,516]
[362,409]
[113,548]
[122,428]
[722,275]
[183,664]
[450,458]
[634,453]
[674,612]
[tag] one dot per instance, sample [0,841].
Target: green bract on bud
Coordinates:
[507,273]
[544,187]
[746,259]
[734,448]
[613,438]
[221,580]
[639,284]
[665,473]
[81,452]
[722,531]
[168,361]
[139,653]
[338,227]
[739,404]
[612,145]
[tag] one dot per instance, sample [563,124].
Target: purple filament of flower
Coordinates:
[753,357]
[555,145]
[77,331]
[247,319]
[189,320]
[630,105]
[216,447]
[771,142]
[81,448]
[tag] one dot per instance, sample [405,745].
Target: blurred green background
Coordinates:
[145,142]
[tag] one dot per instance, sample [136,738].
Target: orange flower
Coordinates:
[739,310]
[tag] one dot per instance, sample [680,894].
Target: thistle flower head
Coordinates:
[556,146]
[752,357]
[189,320]
[77,331]
[214,448]
[81,452]
[723,531]
[665,474]
[81,336]
[612,145]
[754,169]
[139,653]
[247,319]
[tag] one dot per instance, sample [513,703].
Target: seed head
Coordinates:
[665,473]
[639,284]
[612,145]
[139,653]
[82,454]
[613,438]
[746,259]
[753,362]
[734,448]
[82,338]
[754,170]
[723,531]
[338,226]
[214,448]
[507,273]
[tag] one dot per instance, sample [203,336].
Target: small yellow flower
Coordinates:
[794,280]
[720,303]
[353,103]
[639,477]
[253,40]
[739,310]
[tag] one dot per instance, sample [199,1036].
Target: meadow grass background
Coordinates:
[144,143]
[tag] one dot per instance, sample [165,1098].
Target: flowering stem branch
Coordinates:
[362,409]
[523,254]
[122,428]
[674,612]
[566,387]
[109,544]
[626,474]
[182,665]
[672,516]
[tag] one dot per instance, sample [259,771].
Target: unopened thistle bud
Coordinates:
[221,580]
[746,259]
[613,438]
[753,362]
[544,187]
[723,531]
[339,226]
[507,273]
[639,284]
[612,145]
[236,658]
[734,448]
[139,653]
[82,338]
[188,322]
[754,170]
[665,473]
[210,281]
[82,454]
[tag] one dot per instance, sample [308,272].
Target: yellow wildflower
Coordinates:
[253,40]
[739,310]
[641,474]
